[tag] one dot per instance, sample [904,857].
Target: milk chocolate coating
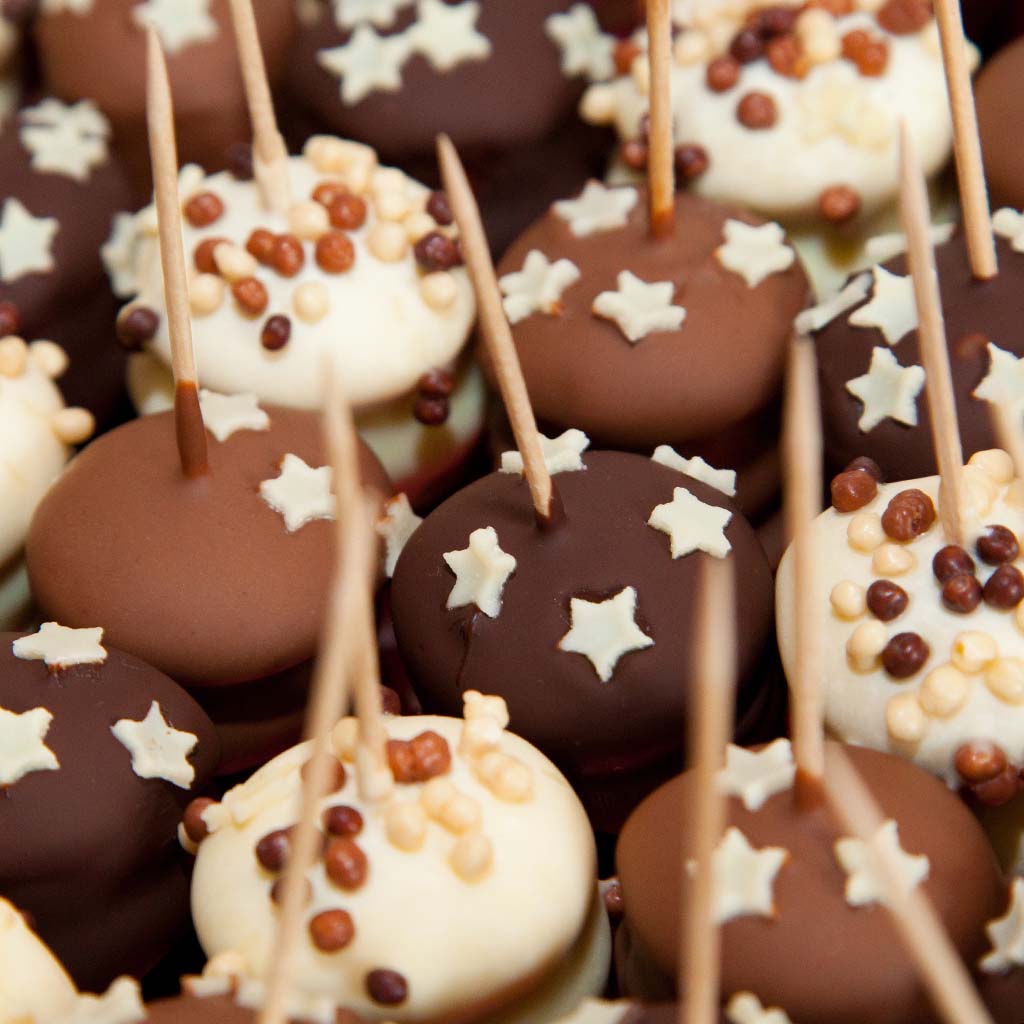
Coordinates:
[211,1009]
[592,729]
[199,577]
[997,93]
[90,850]
[988,310]
[819,959]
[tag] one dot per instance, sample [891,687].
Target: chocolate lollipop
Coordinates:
[999,109]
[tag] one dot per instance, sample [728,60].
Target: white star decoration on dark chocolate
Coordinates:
[22,746]
[158,750]
[562,454]
[1004,383]
[120,1004]
[179,23]
[1006,934]
[603,631]
[887,390]
[63,138]
[754,251]
[597,208]
[723,480]
[864,882]
[61,646]
[368,62]
[1009,224]
[396,525]
[586,50]
[692,525]
[300,494]
[26,242]
[481,571]
[446,34]
[746,1008]
[892,308]
[640,308]
[382,13]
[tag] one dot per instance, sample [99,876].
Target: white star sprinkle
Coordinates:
[692,525]
[1004,383]
[74,6]
[396,525]
[61,647]
[538,287]
[864,884]
[754,776]
[562,454]
[158,750]
[119,254]
[599,1011]
[892,308]
[65,139]
[179,23]
[1006,934]
[597,208]
[349,13]
[816,317]
[120,1004]
[746,1008]
[586,50]
[639,307]
[604,631]
[446,34]
[723,480]
[367,62]
[1009,224]
[300,494]
[887,390]
[25,241]
[481,572]
[22,750]
[882,248]
[754,251]
[224,415]
[744,878]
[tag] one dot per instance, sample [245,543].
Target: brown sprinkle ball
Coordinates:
[904,655]
[251,295]
[261,246]
[773,21]
[439,208]
[391,703]
[852,489]
[337,777]
[332,930]
[979,761]
[386,987]
[909,514]
[723,73]
[287,258]
[272,850]
[839,203]
[691,161]
[613,902]
[203,256]
[436,384]
[417,760]
[203,209]
[10,319]
[431,412]
[277,891]
[950,561]
[1004,588]
[756,111]
[335,253]
[327,192]
[961,593]
[276,333]
[342,820]
[747,45]
[347,212]
[998,545]
[239,162]
[435,252]
[1000,790]
[345,863]
[786,56]
[886,600]
[904,17]
[195,828]
[624,54]
[866,465]
[634,154]
[837,8]
[870,55]
[135,326]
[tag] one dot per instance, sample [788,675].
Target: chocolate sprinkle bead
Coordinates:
[272,850]
[332,930]
[337,777]
[723,73]
[391,703]
[239,162]
[342,820]
[433,756]
[431,412]
[950,561]
[287,258]
[261,246]
[135,326]
[251,295]
[839,203]
[276,333]
[439,208]
[997,545]
[1000,790]
[1004,588]
[386,987]
[961,593]
[979,761]
[904,655]
[195,828]
[347,213]
[436,384]
[866,465]
[435,252]
[691,161]
[328,192]
[886,600]
[746,46]
[203,209]
[10,318]
[613,902]
[908,515]
[345,863]
[756,111]
[634,154]
[904,17]
[852,489]
[335,253]
[203,256]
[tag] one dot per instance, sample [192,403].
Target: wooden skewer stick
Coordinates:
[270,155]
[970,172]
[938,964]
[712,728]
[494,325]
[661,147]
[932,336]
[803,503]
[188,417]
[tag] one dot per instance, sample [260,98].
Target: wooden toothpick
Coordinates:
[188,417]
[270,155]
[970,171]
[931,333]
[661,144]
[495,328]
[711,730]
[938,964]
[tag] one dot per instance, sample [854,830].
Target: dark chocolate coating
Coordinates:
[90,850]
[592,729]
[993,309]
[819,959]
[997,93]
[199,577]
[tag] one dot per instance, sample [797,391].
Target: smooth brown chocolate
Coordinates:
[1000,108]
[219,1010]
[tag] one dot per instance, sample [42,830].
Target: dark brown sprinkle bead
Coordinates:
[287,258]
[625,52]
[436,384]
[634,153]
[342,820]
[135,326]
[277,891]
[276,333]
[195,828]
[331,930]
[786,56]
[1000,790]
[338,773]
[691,161]
[10,318]
[203,256]
[435,251]
[852,489]
[886,600]
[347,213]
[390,702]
[345,863]
[613,902]
[439,208]
[837,8]
[866,465]
[746,46]
[723,73]
[335,252]
[904,17]
[203,209]
[261,245]
[251,295]
[909,514]
[904,655]
[756,111]
[839,203]
[327,192]
[272,850]
[773,21]
[239,162]
[950,561]
[870,55]
[979,761]
[431,412]
[971,346]
[433,756]
[997,545]
[1004,588]
[961,593]
[386,987]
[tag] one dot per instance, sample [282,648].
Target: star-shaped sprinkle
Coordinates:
[74,6]
[887,390]
[1009,224]
[882,248]
[224,415]
[25,241]
[892,308]
[22,749]
[599,1011]
[723,480]
[692,525]
[816,317]
[1006,934]
[179,23]
[746,1008]
[158,751]
[68,139]
[396,525]
[562,454]
[446,34]
[538,287]
[586,50]
[481,571]
[597,208]
[744,878]
[120,1004]
[367,62]
[604,631]
[864,883]
[754,251]
[349,13]
[119,254]
[1004,383]
[754,776]
[300,494]
[639,307]
[61,646]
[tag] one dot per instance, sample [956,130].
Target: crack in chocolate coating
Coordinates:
[90,850]
[993,309]
[821,960]
[199,577]
[555,698]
